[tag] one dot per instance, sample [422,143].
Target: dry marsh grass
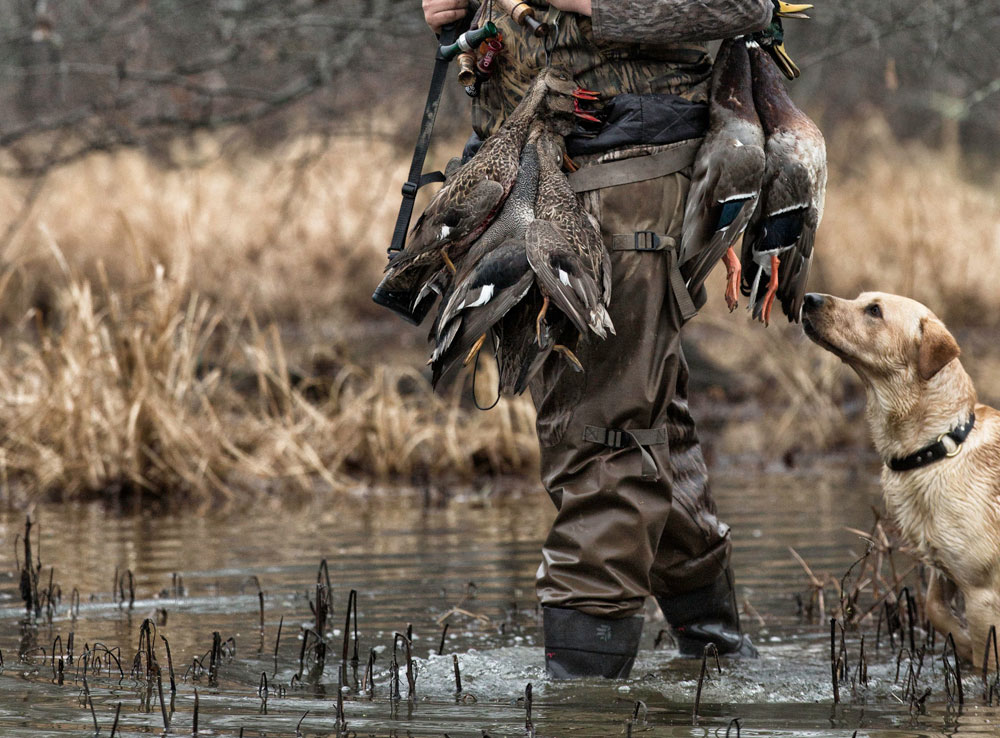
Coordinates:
[132,355]
[134,392]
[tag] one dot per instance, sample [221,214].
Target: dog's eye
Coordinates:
[874,310]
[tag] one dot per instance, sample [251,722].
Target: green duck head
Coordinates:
[772,38]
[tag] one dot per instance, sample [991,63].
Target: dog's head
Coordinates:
[884,338]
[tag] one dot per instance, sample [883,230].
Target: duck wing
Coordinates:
[496,284]
[563,275]
[723,197]
[520,353]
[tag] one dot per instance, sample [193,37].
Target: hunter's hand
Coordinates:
[439,13]
[572,6]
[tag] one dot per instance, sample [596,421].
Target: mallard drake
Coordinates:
[772,38]
[779,240]
[727,174]
[564,245]
[465,206]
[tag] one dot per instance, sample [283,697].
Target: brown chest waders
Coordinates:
[620,456]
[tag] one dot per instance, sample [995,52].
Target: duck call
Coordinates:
[524,15]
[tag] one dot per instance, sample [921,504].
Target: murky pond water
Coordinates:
[196,573]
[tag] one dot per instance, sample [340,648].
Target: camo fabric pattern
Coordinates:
[609,68]
[677,20]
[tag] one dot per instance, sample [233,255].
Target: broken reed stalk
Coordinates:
[458,674]
[709,647]
[260,599]
[991,638]
[89,700]
[340,721]
[444,632]
[114,725]
[411,680]
[352,606]
[170,666]
[29,574]
[527,709]
[214,659]
[277,642]
[131,589]
[368,685]
[194,718]
[833,661]
[736,722]
[952,669]
[163,704]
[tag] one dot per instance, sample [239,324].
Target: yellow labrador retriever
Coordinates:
[940,447]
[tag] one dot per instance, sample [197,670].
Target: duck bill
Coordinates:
[792,10]
[784,61]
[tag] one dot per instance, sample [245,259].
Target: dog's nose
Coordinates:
[812,301]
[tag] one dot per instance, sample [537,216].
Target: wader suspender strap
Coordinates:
[417,179]
[649,241]
[637,169]
[622,438]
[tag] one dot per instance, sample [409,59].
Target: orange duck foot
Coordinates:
[772,290]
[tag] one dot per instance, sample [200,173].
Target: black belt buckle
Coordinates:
[647,241]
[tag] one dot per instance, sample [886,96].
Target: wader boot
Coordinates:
[620,456]
[578,644]
[707,615]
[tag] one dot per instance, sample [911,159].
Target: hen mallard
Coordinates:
[727,175]
[564,245]
[464,207]
[492,277]
[778,243]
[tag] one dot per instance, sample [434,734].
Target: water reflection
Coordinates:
[413,564]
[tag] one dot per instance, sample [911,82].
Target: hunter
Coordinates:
[620,456]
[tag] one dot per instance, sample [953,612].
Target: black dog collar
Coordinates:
[935,451]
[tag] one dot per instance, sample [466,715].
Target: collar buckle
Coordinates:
[953,452]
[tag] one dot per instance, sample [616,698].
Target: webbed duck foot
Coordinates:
[539,319]
[474,351]
[568,163]
[734,272]
[448,261]
[570,356]
[772,290]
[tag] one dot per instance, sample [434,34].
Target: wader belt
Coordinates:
[636,169]
[649,241]
[639,437]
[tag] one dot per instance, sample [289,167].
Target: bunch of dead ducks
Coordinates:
[760,174]
[511,252]
[507,246]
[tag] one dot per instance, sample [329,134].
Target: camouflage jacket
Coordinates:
[637,46]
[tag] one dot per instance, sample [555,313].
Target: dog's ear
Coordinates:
[937,348]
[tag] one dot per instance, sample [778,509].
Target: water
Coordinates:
[413,563]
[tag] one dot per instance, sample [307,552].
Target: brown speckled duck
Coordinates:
[464,208]
[565,250]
